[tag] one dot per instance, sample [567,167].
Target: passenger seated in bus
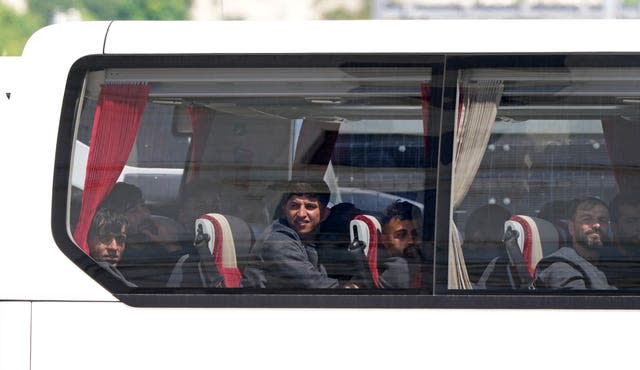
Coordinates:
[334,242]
[285,256]
[107,240]
[625,217]
[573,266]
[483,233]
[400,262]
[128,198]
[152,245]
[621,262]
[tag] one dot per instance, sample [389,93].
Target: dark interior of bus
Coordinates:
[375,135]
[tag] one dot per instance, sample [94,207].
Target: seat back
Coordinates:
[223,242]
[366,230]
[526,241]
[536,239]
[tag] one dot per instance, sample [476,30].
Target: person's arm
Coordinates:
[286,260]
[560,275]
[395,274]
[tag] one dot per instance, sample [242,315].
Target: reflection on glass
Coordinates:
[555,154]
[251,178]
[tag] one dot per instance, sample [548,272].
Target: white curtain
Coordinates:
[476,115]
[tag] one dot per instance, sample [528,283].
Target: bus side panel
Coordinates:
[66,42]
[112,335]
[32,267]
[15,335]
[384,36]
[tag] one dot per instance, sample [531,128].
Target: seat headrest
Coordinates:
[536,238]
[366,229]
[224,243]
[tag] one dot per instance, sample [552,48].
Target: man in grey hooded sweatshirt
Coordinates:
[574,266]
[285,256]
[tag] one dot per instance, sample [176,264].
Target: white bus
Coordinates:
[481,126]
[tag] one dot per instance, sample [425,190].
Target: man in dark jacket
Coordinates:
[285,256]
[107,238]
[153,248]
[574,266]
[621,262]
[399,263]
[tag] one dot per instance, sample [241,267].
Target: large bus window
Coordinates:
[545,177]
[251,177]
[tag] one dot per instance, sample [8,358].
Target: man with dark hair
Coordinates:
[625,217]
[153,248]
[107,236]
[399,263]
[621,263]
[128,199]
[574,266]
[106,239]
[285,256]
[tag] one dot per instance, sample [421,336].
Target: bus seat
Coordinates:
[527,240]
[365,231]
[536,238]
[223,242]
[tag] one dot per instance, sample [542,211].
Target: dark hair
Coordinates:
[335,228]
[403,210]
[588,202]
[317,190]
[620,200]
[106,221]
[339,218]
[122,197]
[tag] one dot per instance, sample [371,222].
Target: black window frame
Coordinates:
[445,70]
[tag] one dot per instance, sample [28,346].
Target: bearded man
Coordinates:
[574,266]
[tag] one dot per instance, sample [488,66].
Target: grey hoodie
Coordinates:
[280,259]
[565,269]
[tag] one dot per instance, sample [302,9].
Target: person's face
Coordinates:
[398,235]
[304,215]
[108,247]
[590,226]
[627,228]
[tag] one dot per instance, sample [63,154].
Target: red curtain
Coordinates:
[201,122]
[115,126]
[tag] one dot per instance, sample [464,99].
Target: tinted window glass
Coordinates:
[549,150]
[247,177]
